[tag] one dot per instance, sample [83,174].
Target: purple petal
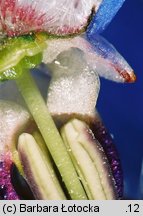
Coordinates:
[7,191]
[107,143]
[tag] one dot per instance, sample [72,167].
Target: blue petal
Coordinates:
[110,64]
[104,15]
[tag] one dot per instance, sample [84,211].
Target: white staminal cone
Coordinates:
[74,88]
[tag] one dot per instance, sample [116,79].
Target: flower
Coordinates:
[74,24]
[62,19]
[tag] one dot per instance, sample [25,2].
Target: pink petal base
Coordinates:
[16,20]
[7,191]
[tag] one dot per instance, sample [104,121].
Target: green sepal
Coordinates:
[20,52]
[16,71]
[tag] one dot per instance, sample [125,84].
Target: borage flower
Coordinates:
[65,19]
[53,32]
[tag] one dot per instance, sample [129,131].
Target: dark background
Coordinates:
[121,105]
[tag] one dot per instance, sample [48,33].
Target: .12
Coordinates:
[133,207]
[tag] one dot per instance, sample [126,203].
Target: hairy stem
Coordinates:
[52,138]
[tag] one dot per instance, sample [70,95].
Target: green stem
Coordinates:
[51,135]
